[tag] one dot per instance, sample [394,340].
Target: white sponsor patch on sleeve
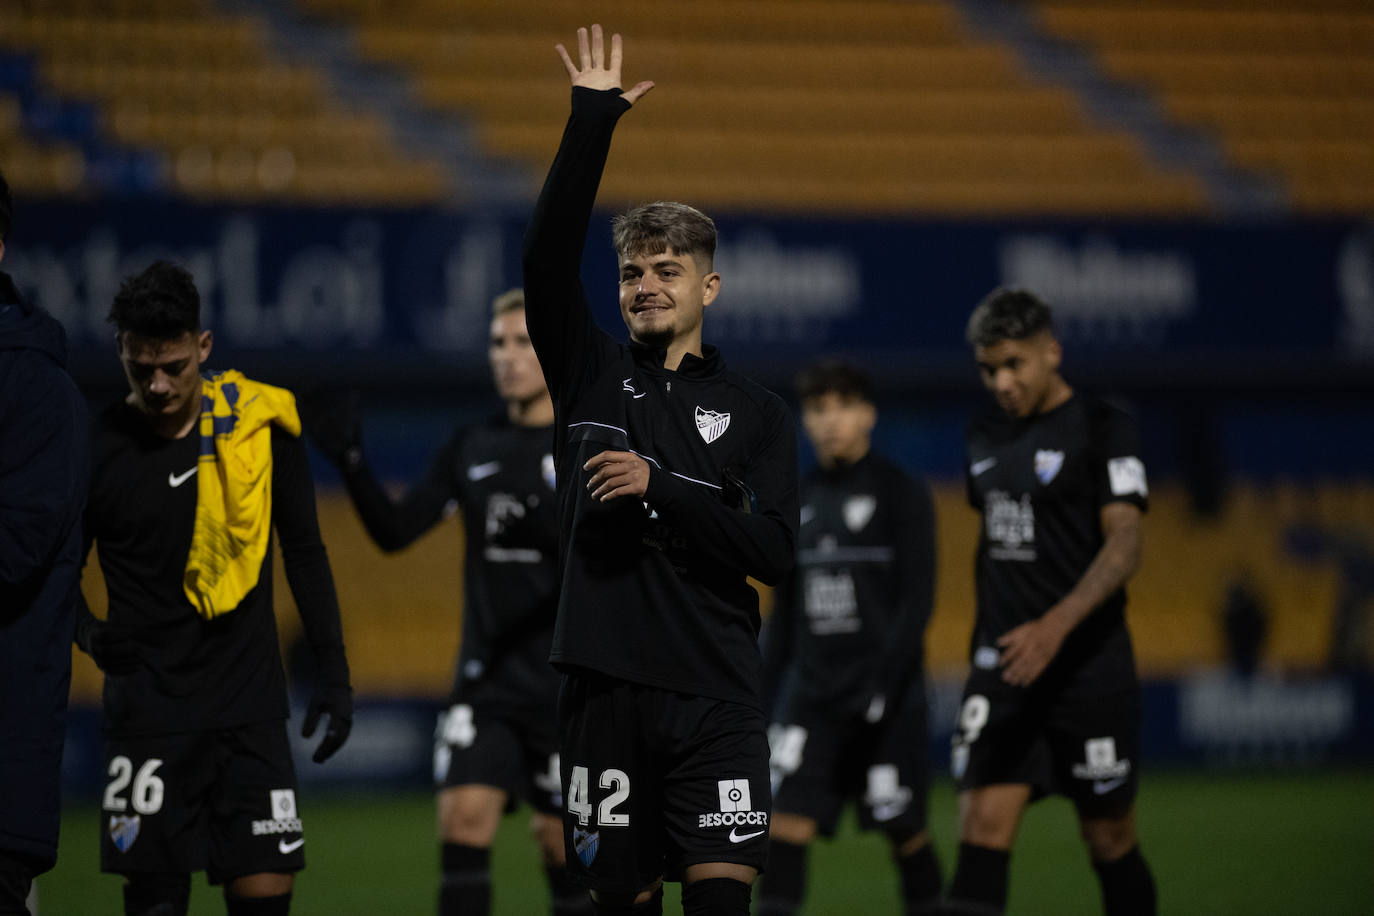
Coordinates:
[1127,476]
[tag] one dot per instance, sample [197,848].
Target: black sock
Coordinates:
[979,887]
[279,905]
[569,897]
[920,874]
[465,884]
[1128,888]
[157,894]
[651,907]
[716,897]
[783,886]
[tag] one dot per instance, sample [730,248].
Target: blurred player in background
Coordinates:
[677,479]
[849,626]
[498,741]
[190,477]
[1052,702]
[44,471]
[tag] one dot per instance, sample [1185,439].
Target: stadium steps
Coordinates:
[843,107]
[227,118]
[1285,87]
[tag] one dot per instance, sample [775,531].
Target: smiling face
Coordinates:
[164,377]
[1023,375]
[662,297]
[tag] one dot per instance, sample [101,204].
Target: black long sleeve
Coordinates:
[304,556]
[914,565]
[396,524]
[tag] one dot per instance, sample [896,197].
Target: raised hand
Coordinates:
[593,72]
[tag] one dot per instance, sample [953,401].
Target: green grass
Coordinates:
[1285,843]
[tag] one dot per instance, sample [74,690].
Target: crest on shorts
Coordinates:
[124,830]
[283,802]
[586,842]
[711,425]
[1047,464]
[858,510]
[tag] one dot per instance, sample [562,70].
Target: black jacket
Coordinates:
[654,591]
[44,470]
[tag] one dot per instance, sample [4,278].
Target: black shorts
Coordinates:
[1083,747]
[820,761]
[223,801]
[475,744]
[655,781]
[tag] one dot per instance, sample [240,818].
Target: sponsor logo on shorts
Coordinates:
[586,843]
[286,848]
[737,837]
[280,825]
[124,830]
[885,795]
[736,810]
[1102,765]
[284,818]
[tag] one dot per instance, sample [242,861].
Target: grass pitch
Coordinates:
[1271,843]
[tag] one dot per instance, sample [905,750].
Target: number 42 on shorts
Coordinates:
[580,800]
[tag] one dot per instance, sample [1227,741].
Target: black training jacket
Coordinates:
[44,469]
[653,591]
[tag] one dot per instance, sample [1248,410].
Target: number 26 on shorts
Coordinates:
[148,789]
[580,800]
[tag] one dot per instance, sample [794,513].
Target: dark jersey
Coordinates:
[852,617]
[1041,483]
[654,591]
[502,478]
[198,674]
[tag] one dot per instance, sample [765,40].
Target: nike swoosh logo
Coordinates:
[286,848]
[1103,786]
[979,467]
[738,838]
[484,470]
[176,480]
[626,386]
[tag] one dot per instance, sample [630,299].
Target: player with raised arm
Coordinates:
[191,475]
[498,741]
[1052,702]
[676,481]
[847,638]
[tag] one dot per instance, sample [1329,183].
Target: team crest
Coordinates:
[586,842]
[550,473]
[711,425]
[124,830]
[858,510]
[1047,464]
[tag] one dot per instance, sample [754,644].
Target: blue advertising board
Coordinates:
[408,285]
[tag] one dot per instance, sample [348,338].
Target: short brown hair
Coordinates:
[663,225]
[512,300]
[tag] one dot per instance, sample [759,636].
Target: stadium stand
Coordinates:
[204,90]
[402,627]
[1286,86]
[819,105]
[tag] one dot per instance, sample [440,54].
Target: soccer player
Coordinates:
[676,480]
[498,740]
[849,626]
[189,478]
[44,466]
[1052,702]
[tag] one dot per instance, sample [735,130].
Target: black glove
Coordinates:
[111,647]
[337,702]
[330,419]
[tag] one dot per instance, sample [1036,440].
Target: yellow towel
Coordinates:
[234,489]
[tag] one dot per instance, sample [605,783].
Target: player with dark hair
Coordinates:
[1052,702]
[676,481]
[847,639]
[190,477]
[498,741]
[44,466]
